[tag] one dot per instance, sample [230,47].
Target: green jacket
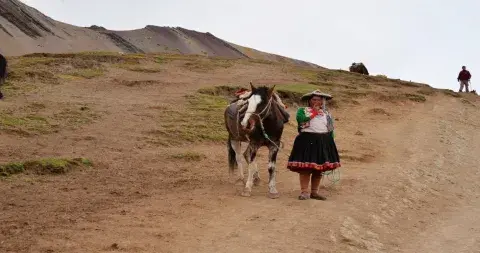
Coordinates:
[304,115]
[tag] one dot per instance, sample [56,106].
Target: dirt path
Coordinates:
[456,228]
[408,183]
[457,231]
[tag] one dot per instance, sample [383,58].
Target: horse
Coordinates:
[3,71]
[358,68]
[257,122]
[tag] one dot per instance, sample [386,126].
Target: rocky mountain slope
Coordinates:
[25,30]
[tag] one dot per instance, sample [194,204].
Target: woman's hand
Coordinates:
[315,112]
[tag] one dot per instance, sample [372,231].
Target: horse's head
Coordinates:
[259,104]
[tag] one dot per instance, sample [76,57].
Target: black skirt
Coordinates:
[313,152]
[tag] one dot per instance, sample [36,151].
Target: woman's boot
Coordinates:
[316,178]
[304,181]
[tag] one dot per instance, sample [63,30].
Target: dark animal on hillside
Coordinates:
[253,122]
[3,72]
[359,68]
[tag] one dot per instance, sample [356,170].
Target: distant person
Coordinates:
[3,72]
[464,78]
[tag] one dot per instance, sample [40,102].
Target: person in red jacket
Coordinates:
[464,78]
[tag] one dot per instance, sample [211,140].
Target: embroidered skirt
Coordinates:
[313,152]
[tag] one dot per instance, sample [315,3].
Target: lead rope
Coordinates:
[330,175]
[265,135]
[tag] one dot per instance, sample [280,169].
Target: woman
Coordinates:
[314,150]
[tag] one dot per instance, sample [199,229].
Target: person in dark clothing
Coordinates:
[464,79]
[3,71]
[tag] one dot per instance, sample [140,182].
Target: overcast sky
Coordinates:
[420,40]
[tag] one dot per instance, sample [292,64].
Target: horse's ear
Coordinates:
[270,91]
[252,87]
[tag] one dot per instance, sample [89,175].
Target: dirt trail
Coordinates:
[456,227]
[411,185]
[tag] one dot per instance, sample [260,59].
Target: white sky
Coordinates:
[420,40]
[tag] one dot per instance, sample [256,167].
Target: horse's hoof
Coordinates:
[274,195]
[246,193]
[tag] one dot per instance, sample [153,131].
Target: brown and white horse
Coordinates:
[257,122]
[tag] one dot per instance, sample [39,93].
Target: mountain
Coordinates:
[25,30]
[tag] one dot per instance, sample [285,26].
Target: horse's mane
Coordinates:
[277,99]
[248,93]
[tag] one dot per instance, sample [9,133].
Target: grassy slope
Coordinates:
[32,72]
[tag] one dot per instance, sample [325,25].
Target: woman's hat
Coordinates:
[316,93]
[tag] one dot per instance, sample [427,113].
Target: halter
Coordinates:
[267,110]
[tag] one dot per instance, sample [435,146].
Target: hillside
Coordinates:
[25,30]
[126,153]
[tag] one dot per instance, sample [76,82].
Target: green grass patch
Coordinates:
[33,119]
[26,62]
[100,56]
[52,68]
[142,69]
[306,73]
[356,94]
[32,75]
[200,120]
[69,77]
[206,65]
[415,97]
[160,59]
[133,83]
[23,124]
[222,90]
[293,92]
[379,111]
[426,91]
[87,73]
[299,88]
[327,75]
[44,166]
[394,97]
[261,61]
[452,93]
[74,117]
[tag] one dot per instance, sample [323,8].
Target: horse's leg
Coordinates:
[252,168]
[239,148]
[272,171]
[241,161]
[256,175]
[256,178]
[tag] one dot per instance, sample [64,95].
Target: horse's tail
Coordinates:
[232,161]
[3,67]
